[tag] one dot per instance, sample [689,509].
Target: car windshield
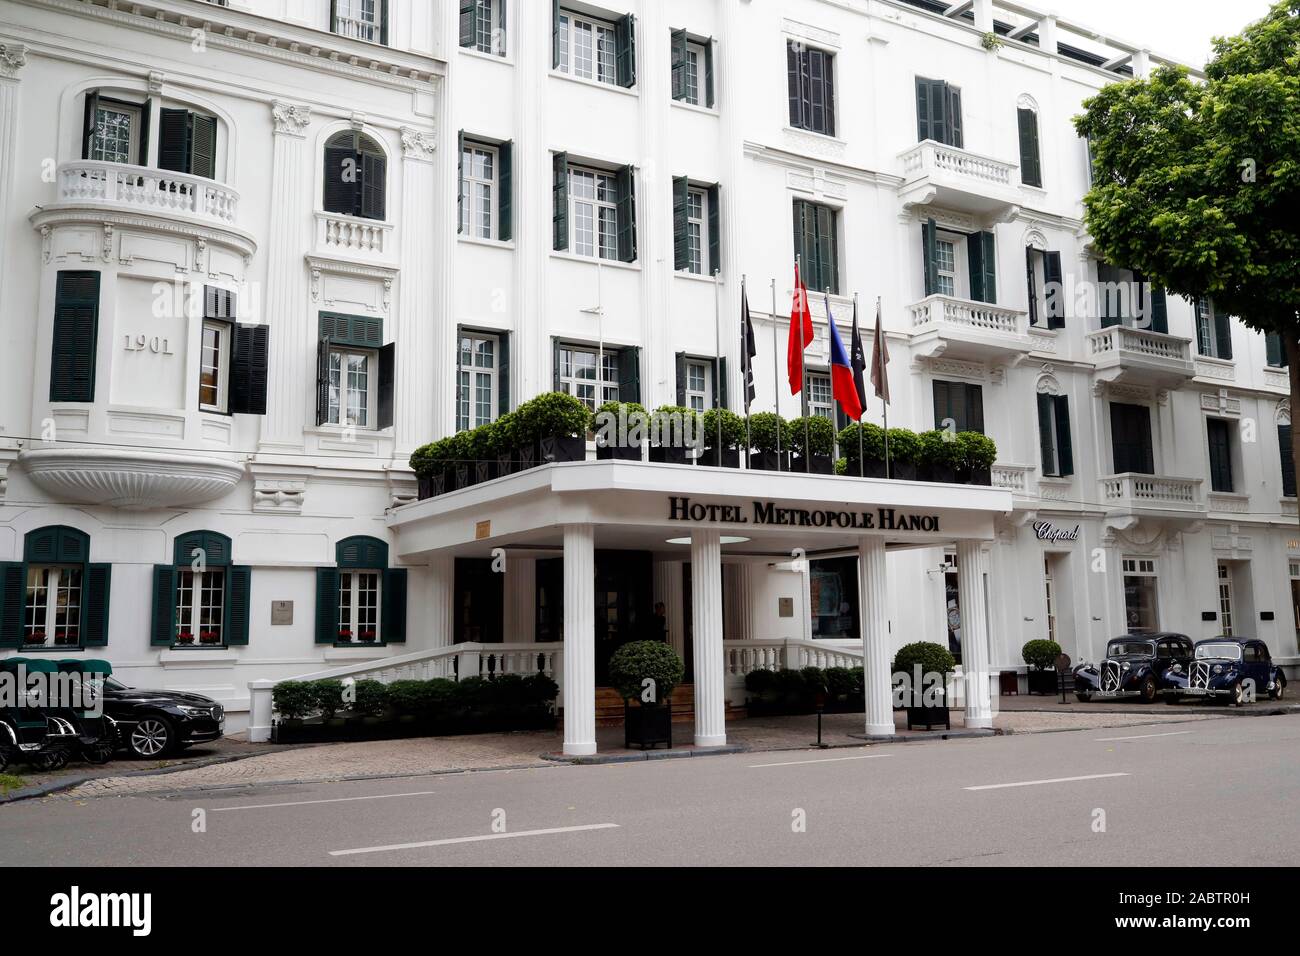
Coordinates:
[1230,651]
[112,683]
[1129,649]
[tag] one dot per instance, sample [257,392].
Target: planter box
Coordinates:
[506,464]
[1044,682]
[814,465]
[618,453]
[937,716]
[667,455]
[902,470]
[977,476]
[938,473]
[871,468]
[561,449]
[484,471]
[769,461]
[424,488]
[526,456]
[730,458]
[647,726]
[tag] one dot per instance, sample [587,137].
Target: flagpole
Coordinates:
[861,464]
[717,361]
[747,360]
[884,405]
[776,375]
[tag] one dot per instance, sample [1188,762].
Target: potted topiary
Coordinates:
[724,431]
[769,442]
[293,700]
[430,464]
[977,453]
[922,669]
[904,453]
[557,422]
[645,672]
[939,456]
[506,444]
[620,429]
[460,462]
[1041,657]
[872,442]
[484,444]
[812,442]
[674,431]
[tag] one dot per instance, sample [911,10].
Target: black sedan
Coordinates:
[1136,665]
[154,723]
[1238,670]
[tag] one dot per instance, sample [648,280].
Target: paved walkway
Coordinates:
[500,751]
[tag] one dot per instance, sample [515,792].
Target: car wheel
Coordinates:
[99,755]
[49,762]
[1083,698]
[1149,690]
[1279,689]
[151,737]
[4,759]
[1234,696]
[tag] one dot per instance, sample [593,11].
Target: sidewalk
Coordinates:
[398,758]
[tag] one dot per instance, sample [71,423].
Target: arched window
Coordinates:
[355,172]
[54,597]
[201,599]
[361,600]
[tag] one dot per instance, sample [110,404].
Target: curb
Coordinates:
[1169,711]
[646,755]
[58,786]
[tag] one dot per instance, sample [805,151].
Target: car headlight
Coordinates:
[194,711]
[1218,668]
[1177,668]
[1124,666]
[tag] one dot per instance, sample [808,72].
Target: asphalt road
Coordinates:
[1218,793]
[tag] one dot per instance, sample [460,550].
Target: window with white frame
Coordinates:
[53,606]
[477,393]
[593,210]
[116,131]
[587,48]
[1294,567]
[1050,588]
[578,375]
[214,358]
[359,19]
[947,247]
[697,228]
[820,399]
[694,92]
[200,605]
[490,27]
[1225,598]
[359,606]
[1141,608]
[351,387]
[478,207]
[699,386]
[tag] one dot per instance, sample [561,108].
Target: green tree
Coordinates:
[1196,183]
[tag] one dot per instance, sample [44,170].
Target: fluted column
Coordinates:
[668,589]
[442,212]
[873,601]
[13,56]
[729,98]
[520,617]
[579,640]
[531,354]
[738,593]
[653,202]
[413,414]
[975,634]
[706,608]
[292,345]
[442,601]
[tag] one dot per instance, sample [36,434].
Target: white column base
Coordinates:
[260,710]
[881,730]
[579,750]
[718,741]
[979,723]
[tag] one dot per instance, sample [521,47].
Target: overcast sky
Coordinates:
[1181,29]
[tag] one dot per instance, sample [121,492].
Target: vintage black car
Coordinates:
[154,723]
[1136,665]
[1235,669]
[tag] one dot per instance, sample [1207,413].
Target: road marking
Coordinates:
[304,803]
[1172,733]
[795,763]
[473,839]
[1034,783]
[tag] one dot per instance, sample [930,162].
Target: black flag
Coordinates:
[858,359]
[747,348]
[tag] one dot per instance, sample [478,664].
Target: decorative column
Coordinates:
[293,353]
[520,612]
[13,57]
[653,200]
[873,591]
[442,213]
[729,96]
[975,634]
[706,607]
[579,640]
[738,593]
[530,352]
[668,589]
[442,601]
[415,334]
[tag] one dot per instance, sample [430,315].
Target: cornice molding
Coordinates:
[52,217]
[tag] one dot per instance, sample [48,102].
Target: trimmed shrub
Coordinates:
[405,696]
[733,428]
[674,426]
[638,661]
[327,696]
[814,680]
[553,415]
[976,451]
[1041,654]
[814,435]
[839,682]
[760,682]
[841,466]
[765,428]
[293,699]
[371,698]
[873,442]
[904,446]
[938,449]
[933,658]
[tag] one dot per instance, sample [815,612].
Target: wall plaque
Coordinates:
[281,613]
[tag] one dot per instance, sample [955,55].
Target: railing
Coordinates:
[358,29]
[1014,478]
[150,190]
[741,657]
[929,157]
[1153,490]
[947,312]
[335,233]
[1121,341]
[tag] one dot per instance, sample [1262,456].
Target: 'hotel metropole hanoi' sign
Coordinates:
[681,508]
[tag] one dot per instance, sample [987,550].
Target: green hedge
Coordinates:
[771,693]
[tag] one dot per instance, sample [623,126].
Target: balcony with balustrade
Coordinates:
[1153,496]
[962,328]
[350,237]
[957,179]
[1123,354]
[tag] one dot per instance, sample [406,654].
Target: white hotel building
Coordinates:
[229,229]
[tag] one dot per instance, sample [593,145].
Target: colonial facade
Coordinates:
[257,252]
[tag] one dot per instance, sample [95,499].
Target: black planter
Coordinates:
[424,488]
[484,471]
[940,473]
[618,453]
[979,476]
[668,455]
[647,726]
[561,448]
[902,470]
[506,464]
[730,458]
[1043,682]
[463,476]
[527,456]
[814,465]
[769,461]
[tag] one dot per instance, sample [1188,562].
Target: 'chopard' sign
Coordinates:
[1047,531]
[681,508]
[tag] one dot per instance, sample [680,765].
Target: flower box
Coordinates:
[669,455]
[34,637]
[345,634]
[769,460]
[562,448]
[209,637]
[367,637]
[813,464]
[184,637]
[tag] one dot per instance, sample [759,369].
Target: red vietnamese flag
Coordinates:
[801,333]
[843,388]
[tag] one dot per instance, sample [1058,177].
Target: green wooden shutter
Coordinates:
[1220,442]
[629,374]
[1108,305]
[1031,284]
[555,366]
[1288,461]
[1031,173]
[930,255]
[12,590]
[715,228]
[327,605]
[393,622]
[73,349]
[822,71]
[383,22]
[203,145]
[1054,290]
[506,192]
[162,630]
[560,201]
[249,359]
[334,16]
[174,140]
[387,385]
[974,409]
[942,402]
[827,273]
[1276,354]
[794,74]
[625,190]
[679,361]
[88,123]
[1131,438]
[374,174]
[339,192]
[467,25]
[625,50]
[1064,441]
[922,109]
[555,35]
[952,119]
[142,151]
[677,42]
[322,381]
[800,247]
[1159,311]
[981,253]
[503,373]
[460,182]
[681,210]
[1223,334]
[239,581]
[1046,443]
[709,98]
